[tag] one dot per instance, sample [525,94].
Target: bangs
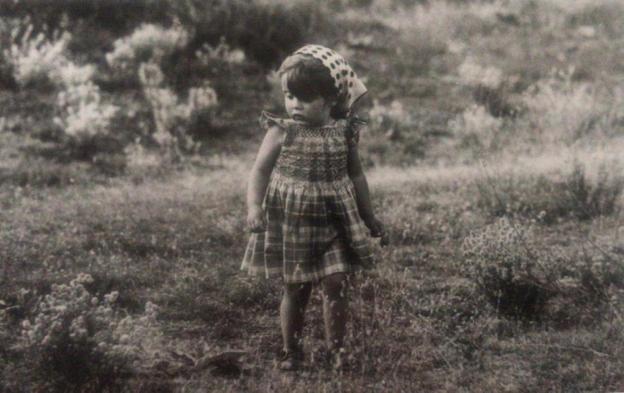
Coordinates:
[302,85]
[308,79]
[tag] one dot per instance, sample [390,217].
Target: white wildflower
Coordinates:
[147,41]
[111,297]
[473,74]
[35,58]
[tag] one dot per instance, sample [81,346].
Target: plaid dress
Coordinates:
[313,227]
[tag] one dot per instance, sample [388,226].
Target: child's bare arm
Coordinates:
[259,177]
[365,206]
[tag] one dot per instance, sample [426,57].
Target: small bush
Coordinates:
[148,42]
[475,127]
[85,119]
[78,341]
[391,119]
[587,199]
[393,135]
[174,119]
[83,114]
[68,340]
[505,265]
[562,110]
[489,87]
[522,277]
[576,196]
[35,58]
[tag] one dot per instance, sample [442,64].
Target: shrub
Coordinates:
[70,339]
[575,196]
[85,119]
[173,118]
[147,42]
[78,341]
[606,14]
[587,199]
[34,58]
[560,109]
[528,196]
[489,87]
[393,136]
[503,261]
[475,127]
[522,277]
[391,119]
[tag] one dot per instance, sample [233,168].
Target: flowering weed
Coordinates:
[35,58]
[147,42]
[505,265]
[83,115]
[71,339]
[172,117]
[79,341]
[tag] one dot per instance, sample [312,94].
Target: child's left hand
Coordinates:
[377,230]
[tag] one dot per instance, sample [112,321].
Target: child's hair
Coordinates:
[308,79]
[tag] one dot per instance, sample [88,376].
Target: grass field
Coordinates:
[493,157]
[416,322]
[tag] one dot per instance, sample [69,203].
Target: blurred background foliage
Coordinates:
[448,80]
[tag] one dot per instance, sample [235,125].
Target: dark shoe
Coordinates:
[291,360]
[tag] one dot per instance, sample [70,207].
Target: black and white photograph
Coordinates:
[300,196]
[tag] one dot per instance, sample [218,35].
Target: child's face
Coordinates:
[315,112]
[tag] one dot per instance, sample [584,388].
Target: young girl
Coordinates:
[308,202]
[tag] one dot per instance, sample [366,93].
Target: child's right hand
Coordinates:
[255,220]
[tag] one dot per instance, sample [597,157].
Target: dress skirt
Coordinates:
[313,229]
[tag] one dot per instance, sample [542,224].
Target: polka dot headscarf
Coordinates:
[345,79]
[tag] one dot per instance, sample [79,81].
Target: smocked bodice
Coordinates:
[314,154]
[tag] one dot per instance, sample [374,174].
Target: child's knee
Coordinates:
[296,291]
[335,286]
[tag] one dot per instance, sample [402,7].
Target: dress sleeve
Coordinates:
[354,125]
[268,120]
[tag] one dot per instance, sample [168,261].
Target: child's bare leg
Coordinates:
[335,305]
[292,309]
